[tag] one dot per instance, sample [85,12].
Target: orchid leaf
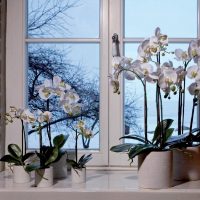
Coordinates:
[14,150]
[121,147]
[84,159]
[60,140]
[141,148]
[52,157]
[161,127]
[10,159]
[168,134]
[134,137]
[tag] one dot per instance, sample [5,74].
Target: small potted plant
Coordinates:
[47,154]
[78,166]
[18,158]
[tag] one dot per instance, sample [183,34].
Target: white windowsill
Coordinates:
[100,185]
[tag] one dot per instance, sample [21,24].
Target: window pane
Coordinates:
[134,93]
[63,18]
[176,18]
[78,65]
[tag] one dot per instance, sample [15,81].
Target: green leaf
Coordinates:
[168,134]
[60,140]
[121,147]
[52,157]
[141,148]
[10,159]
[15,150]
[84,159]
[32,167]
[161,127]
[134,137]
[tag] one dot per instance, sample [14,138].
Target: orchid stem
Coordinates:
[76,146]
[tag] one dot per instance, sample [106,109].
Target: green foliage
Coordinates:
[81,162]
[162,127]
[121,147]
[15,156]
[145,146]
[50,154]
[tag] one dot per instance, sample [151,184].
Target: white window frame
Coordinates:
[111,105]
[16,71]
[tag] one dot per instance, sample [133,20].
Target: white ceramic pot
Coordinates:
[78,175]
[20,175]
[155,170]
[44,177]
[60,168]
[186,164]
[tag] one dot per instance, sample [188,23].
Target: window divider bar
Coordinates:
[171,40]
[63,40]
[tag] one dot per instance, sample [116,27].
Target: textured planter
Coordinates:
[60,168]
[20,175]
[155,170]
[44,177]
[186,164]
[78,175]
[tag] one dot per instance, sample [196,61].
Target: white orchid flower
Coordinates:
[47,116]
[181,73]
[181,55]
[45,93]
[144,54]
[70,97]
[71,109]
[194,89]
[162,39]
[28,116]
[44,116]
[194,50]
[116,61]
[76,108]
[81,124]
[193,72]
[129,75]
[167,78]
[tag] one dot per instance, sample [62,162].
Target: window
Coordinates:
[78,42]
[62,38]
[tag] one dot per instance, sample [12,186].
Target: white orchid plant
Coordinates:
[38,120]
[169,80]
[85,132]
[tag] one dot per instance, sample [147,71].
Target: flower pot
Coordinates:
[44,177]
[60,168]
[155,170]
[186,164]
[78,175]
[20,175]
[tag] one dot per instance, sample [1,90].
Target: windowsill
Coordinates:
[100,184]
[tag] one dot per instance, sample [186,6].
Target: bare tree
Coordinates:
[45,62]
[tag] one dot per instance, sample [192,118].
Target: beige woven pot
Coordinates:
[186,164]
[155,170]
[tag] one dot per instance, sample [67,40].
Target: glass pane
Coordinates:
[78,65]
[63,18]
[134,106]
[175,18]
